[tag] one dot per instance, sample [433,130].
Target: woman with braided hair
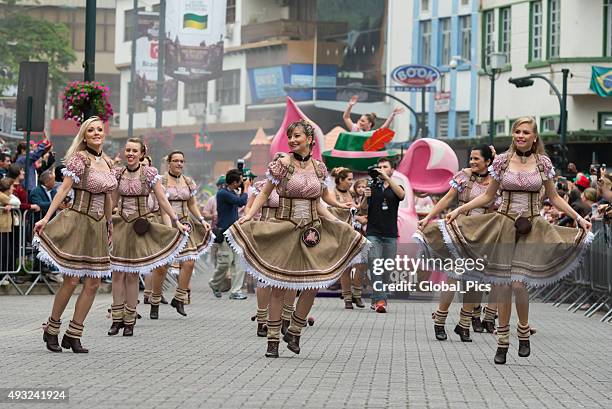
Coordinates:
[520,246]
[316,247]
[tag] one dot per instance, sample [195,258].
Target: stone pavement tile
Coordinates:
[212,358]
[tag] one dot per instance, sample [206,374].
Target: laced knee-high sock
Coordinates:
[440,317]
[181,295]
[347,295]
[262,315]
[503,336]
[53,326]
[296,325]
[117,312]
[357,292]
[274,329]
[75,330]
[147,293]
[155,298]
[286,312]
[129,317]
[465,319]
[477,311]
[489,314]
[523,331]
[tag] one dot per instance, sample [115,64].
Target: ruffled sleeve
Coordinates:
[459,181]
[75,167]
[117,171]
[549,169]
[152,176]
[193,188]
[324,175]
[496,167]
[256,188]
[276,172]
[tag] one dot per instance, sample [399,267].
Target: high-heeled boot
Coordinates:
[273,338]
[129,320]
[117,315]
[292,337]
[178,302]
[50,334]
[72,338]
[503,343]
[523,332]
[439,318]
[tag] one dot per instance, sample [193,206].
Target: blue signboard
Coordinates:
[267,83]
[416,75]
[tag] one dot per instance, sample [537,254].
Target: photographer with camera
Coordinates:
[381,201]
[229,199]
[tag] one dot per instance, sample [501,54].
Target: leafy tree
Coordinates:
[25,38]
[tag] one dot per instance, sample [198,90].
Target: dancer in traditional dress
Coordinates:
[466,184]
[181,191]
[343,179]
[304,247]
[76,241]
[521,248]
[140,243]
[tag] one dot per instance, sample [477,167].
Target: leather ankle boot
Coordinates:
[463,333]
[272,351]
[489,326]
[128,330]
[293,342]
[500,356]
[358,302]
[477,324]
[440,332]
[74,344]
[52,342]
[524,349]
[154,314]
[285,326]
[115,327]
[348,304]
[180,307]
[262,329]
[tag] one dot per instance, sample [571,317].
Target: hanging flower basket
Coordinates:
[82,99]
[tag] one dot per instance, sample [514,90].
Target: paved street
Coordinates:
[349,359]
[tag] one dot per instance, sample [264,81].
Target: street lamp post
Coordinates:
[497,62]
[527,81]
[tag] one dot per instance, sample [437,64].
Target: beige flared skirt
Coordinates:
[543,256]
[136,253]
[76,244]
[200,241]
[274,253]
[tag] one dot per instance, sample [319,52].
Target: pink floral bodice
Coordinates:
[179,195]
[302,183]
[85,177]
[520,183]
[460,182]
[130,183]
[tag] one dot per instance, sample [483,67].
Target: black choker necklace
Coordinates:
[302,159]
[93,152]
[340,190]
[174,176]
[482,175]
[523,155]
[135,170]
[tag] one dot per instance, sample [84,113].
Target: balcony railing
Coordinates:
[293,30]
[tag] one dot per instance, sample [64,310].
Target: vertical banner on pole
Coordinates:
[194,47]
[32,83]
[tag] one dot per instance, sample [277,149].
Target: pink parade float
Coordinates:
[426,167]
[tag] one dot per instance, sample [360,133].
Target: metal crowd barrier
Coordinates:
[17,255]
[591,285]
